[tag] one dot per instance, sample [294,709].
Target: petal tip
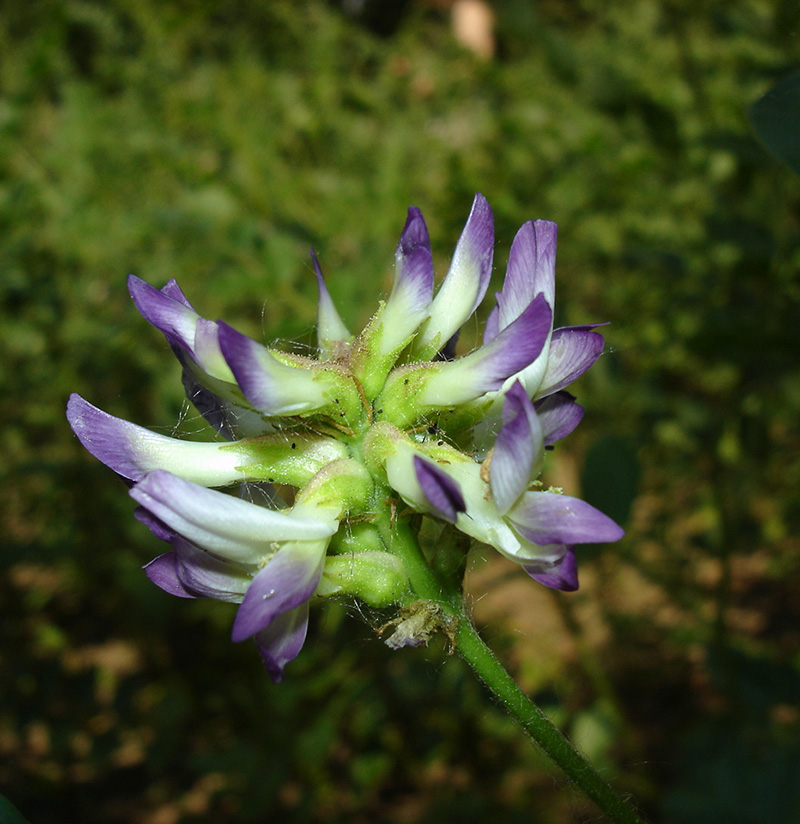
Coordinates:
[440,490]
[561,575]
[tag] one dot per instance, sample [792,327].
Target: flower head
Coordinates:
[389,413]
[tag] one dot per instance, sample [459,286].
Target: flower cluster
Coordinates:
[388,414]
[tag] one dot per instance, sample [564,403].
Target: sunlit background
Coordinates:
[215,142]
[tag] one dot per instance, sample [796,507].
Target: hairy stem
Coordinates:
[401,538]
[482,660]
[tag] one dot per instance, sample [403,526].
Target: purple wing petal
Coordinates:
[517,451]
[159,529]
[563,574]
[485,370]
[413,265]
[288,580]
[475,249]
[172,290]
[208,576]
[132,451]
[227,526]
[558,415]
[492,326]
[531,269]
[207,352]
[440,490]
[163,572]
[282,640]
[572,352]
[169,315]
[230,420]
[209,405]
[108,438]
[466,282]
[519,344]
[393,326]
[192,338]
[271,386]
[548,518]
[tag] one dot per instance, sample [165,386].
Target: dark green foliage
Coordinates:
[9,814]
[776,118]
[215,142]
[610,477]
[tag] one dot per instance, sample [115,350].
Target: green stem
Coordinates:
[425,583]
[540,728]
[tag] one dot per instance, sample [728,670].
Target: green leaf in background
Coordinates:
[736,774]
[776,119]
[610,477]
[9,814]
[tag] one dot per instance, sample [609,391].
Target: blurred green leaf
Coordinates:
[776,119]
[734,774]
[610,476]
[9,814]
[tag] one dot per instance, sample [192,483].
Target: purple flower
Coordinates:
[270,562]
[499,502]
[325,441]
[569,351]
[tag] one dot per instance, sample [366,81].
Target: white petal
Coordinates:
[227,526]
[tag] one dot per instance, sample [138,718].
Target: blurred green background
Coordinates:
[214,142]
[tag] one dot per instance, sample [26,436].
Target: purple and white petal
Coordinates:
[192,338]
[331,331]
[163,572]
[492,326]
[227,526]
[412,290]
[207,352]
[466,281]
[159,529]
[561,574]
[487,368]
[207,576]
[172,290]
[442,493]
[531,269]
[414,263]
[584,327]
[572,352]
[549,518]
[558,415]
[170,315]
[229,419]
[209,405]
[282,640]
[132,451]
[481,520]
[518,449]
[271,386]
[289,579]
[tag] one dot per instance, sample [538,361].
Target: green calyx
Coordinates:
[376,577]
[287,457]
